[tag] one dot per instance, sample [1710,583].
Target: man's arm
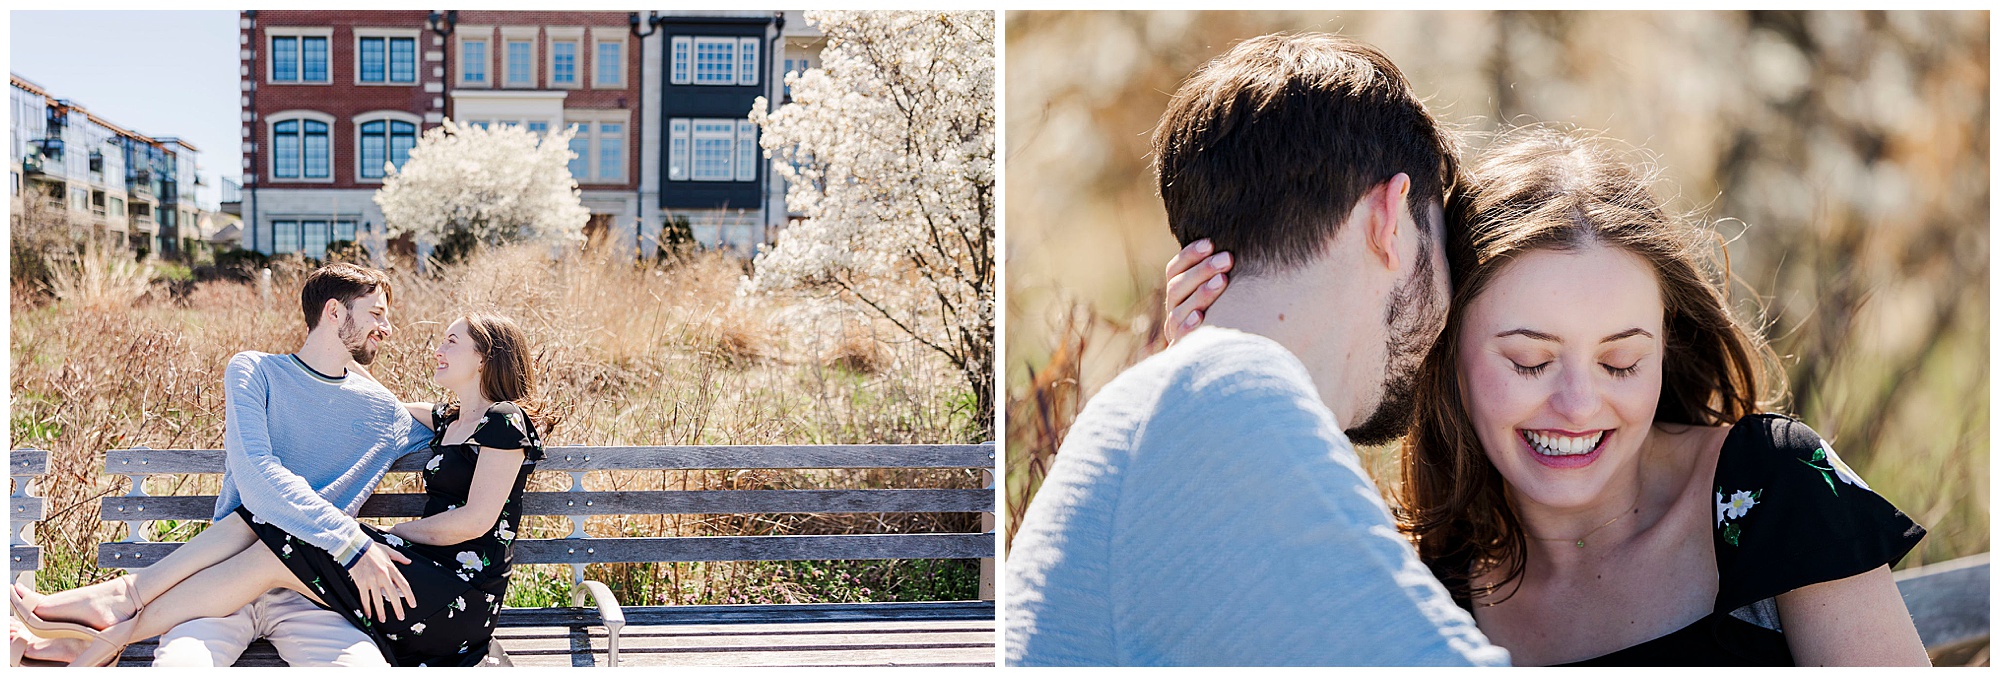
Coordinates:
[272,492]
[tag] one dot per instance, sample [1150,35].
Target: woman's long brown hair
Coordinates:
[509,371]
[1536,189]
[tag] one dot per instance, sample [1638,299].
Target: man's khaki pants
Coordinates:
[304,634]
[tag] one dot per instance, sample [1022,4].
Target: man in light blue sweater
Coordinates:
[308,435]
[1207,507]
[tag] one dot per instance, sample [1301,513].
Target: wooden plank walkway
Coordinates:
[936,634]
[848,644]
[941,643]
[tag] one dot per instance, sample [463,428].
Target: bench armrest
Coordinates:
[608,612]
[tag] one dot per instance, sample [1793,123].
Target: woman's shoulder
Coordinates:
[1767,445]
[1790,513]
[1774,436]
[507,426]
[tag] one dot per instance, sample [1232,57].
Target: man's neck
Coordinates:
[323,352]
[1317,327]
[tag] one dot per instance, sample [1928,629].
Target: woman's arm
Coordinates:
[422,412]
[492,483]
[1858,620]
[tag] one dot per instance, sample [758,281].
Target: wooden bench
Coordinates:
[598,627]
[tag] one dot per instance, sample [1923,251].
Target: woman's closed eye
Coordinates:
[1531,370]
[1622,372]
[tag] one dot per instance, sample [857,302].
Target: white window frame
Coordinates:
[415,37]
[747,63]
[271,144]
[300,33]
[480,34]
[594,142]
[681,67]
[746,150]
[597,42]
[325,230]
[508,36]
[681,155]
[297,229]
[360,175]
[572,35]
[598,143]
[694,59]
[678,150]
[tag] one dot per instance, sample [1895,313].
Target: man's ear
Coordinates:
[1381,211]
[333,311]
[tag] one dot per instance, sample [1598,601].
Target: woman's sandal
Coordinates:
[43,627]
[95,655]
[49,629]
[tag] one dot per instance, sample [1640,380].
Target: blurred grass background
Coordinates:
[108,352]
[1843,154]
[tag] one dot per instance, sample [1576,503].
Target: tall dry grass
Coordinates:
[628,355]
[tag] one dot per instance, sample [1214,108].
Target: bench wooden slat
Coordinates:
[27,462]
[677,549]
[691,457]
[732,614]
[29,510]
[1949,601]
[618,503]
[23,558]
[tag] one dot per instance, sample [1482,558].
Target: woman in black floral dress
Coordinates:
[457,557]
[1591,473]
[459,585]
[461,551]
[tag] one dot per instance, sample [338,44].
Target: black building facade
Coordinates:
[714,70]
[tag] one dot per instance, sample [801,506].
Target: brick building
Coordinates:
[548,70]
[329,96]
[658,103]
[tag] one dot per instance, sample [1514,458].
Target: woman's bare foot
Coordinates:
[24,643]
[99,605]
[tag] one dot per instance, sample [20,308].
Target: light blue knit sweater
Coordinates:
[1206,509]
[305,449]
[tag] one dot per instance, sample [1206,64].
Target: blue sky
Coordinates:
[159,73]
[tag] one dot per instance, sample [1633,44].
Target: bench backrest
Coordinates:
[138,508]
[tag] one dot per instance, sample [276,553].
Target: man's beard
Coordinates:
[1415,318]
[356,340]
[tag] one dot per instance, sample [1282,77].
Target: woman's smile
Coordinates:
[1561,449]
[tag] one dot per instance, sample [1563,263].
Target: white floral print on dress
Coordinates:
[1739,503]
[1840,469]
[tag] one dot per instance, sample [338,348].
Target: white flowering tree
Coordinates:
[887,148]
[467,183]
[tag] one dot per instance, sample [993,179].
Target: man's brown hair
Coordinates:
[343,282]
[1266,149]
